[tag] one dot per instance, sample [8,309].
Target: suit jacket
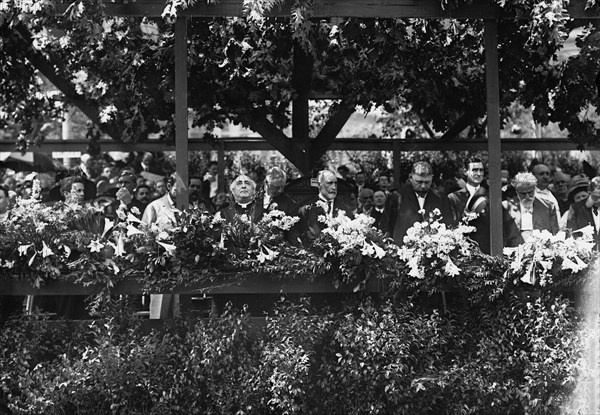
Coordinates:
[379,217]
[511,235]
[408,211]
[309,224]
[282,201]
[161,211]
[580,216]
[253,210]
[544,214]
[458,201]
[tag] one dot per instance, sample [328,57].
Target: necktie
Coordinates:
[595,210]
[330,207]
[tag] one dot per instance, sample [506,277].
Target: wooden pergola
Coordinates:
[298,148]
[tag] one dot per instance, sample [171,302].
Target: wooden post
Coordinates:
[221,167]
[493,130]
[396,161]
[161,303]
[301,80]
[181,108]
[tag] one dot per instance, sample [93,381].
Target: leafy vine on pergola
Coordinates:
[119,70]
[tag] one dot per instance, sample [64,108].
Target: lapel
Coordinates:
[410,198]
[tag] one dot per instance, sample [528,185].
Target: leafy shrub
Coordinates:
[510,355]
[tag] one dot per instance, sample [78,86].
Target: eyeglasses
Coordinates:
[124,181]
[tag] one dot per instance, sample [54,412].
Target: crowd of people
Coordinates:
[543,198]
[540,199]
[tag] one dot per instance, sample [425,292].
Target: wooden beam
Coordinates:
[279,141]
[329,132]
[493,130]
[429,9]
[226,285]
[181,108]
[350,144]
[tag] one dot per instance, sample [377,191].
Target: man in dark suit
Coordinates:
[585,212]
[474,174]
[273,196]
[125,195]
[417,201]
[326,203]
[379,212]
[528,211]
[196,195]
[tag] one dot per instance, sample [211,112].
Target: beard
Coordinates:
[527,202]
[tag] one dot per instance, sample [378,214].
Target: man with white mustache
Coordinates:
[529,212]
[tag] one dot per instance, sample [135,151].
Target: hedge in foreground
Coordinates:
[499,357]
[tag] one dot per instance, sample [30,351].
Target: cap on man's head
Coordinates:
[422,168]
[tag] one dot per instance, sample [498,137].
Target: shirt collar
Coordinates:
[472,189]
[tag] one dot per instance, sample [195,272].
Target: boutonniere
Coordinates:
[322,205]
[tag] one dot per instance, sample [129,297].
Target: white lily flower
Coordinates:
[95,246]
[46,251]
[132,230]
[23,249]
[168,247]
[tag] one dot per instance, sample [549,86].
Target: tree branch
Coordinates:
[283,144]
[22,35]
[329,131]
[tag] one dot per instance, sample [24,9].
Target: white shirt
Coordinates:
[214,185]
[526,222]
[266,200]
[421,200]
[472,189]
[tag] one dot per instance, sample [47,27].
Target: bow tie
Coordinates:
[528,210]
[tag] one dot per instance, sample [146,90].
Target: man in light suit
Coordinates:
[529,212]
[325,203]
[585,212]
[458,199]
[162,211]
[417,201]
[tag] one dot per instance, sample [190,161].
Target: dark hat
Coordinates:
[578,183]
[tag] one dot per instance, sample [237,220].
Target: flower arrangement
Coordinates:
[547,257]
[432,250]
[43,243]
[356,248]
